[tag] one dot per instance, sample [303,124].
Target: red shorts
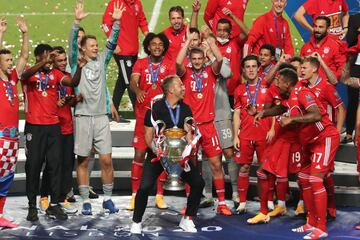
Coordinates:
[282,157]
[139,135]
[321,155]
[247,149]
[209,140]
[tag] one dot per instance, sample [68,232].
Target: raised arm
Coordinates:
[195,14]
[80,14]
[329,74]
[216,65]
[180,67]
[3,27]
[210,11]
[114,34]
[45,59]
[24,53]
[244,29]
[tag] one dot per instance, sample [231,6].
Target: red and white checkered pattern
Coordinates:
[8,156]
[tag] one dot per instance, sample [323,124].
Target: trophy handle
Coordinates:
[160,122]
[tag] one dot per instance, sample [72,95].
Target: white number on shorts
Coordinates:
[296,157]
[316,157]
[226,133]
[215,141]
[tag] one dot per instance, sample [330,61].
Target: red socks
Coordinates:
[320,201]
[281,188]
[136,172]
[219,185]
[308,198]
[243,185]
[263,183]
[329,185]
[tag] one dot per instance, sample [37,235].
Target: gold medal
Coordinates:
[199,96]
[251,110]
[153,86]
[44,94]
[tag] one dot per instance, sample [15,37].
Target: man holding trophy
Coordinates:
[166,149]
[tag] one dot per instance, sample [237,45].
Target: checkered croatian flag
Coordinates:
[8,156]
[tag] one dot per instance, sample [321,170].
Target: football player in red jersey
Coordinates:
[336,10]
[270,28]
[248,138]
[199,81]
[146,79]
[40,86]
[320,140]
[9,112]
[334,107]
[327,47]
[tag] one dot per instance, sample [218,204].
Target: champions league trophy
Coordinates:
[172,143]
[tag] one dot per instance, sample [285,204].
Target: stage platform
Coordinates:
[163,224]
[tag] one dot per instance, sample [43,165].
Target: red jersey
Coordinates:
[142,68]
[330,52]
[40,98]
[299,100]
[132,19]
[328,96]
[231,52]
[333,9]
[264,71]
[213,13]
[269,29]
[64,113]
[202,106]
[9,110]
[176,40]
[248,130]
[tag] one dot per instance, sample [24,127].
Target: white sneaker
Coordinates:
[136,228]
[187,225]
[242,208]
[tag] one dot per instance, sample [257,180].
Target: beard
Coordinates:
[319,36]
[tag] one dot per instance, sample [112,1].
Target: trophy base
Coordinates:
[173,183]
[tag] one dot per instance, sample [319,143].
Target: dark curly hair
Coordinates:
[150,36]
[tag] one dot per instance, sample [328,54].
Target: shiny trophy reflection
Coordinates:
[172,143]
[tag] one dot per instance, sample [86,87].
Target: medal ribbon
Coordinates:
[43,85]
[154,76]
[266,71]
[198,80]
[174,119]
[62,91]
[253,99]
[279,44]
